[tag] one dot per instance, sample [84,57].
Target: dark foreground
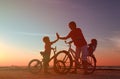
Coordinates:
[25,74]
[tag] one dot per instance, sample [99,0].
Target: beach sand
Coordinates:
[25,74]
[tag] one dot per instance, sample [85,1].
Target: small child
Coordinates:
[92,46]
[47,52]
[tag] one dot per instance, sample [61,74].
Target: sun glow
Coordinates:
[11,55]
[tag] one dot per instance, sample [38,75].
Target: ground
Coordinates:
[25,74]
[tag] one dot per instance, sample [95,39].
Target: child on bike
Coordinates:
[47,52]
[92,46]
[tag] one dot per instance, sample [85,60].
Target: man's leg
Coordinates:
[77,55]
[84,58]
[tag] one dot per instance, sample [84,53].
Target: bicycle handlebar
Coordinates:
[54,49]
[68,42]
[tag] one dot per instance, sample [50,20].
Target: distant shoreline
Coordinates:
[25,68]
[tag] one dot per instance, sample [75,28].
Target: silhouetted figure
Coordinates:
[47,52]
[79,41]
[92,46]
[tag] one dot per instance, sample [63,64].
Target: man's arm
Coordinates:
[63,38]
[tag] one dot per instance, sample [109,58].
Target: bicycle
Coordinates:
[35,65]
[68,57]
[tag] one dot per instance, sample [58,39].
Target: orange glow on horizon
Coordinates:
[10,55]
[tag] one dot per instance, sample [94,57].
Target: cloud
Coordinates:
[32,34]
[115,40]
[110,43]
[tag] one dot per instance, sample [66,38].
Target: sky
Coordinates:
[23,24]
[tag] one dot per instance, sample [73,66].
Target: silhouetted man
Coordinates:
[79,41]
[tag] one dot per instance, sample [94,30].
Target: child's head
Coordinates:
[46,39]
[94,41]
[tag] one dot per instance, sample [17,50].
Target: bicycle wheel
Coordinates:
[66,58]
[59,66]
[91,60]
[35,66]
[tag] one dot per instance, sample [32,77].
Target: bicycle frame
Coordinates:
[54,51]
[68,57]
[35,65]
[72,53]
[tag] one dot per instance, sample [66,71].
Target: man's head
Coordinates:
[72,25]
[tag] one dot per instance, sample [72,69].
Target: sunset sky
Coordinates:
[23,24]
